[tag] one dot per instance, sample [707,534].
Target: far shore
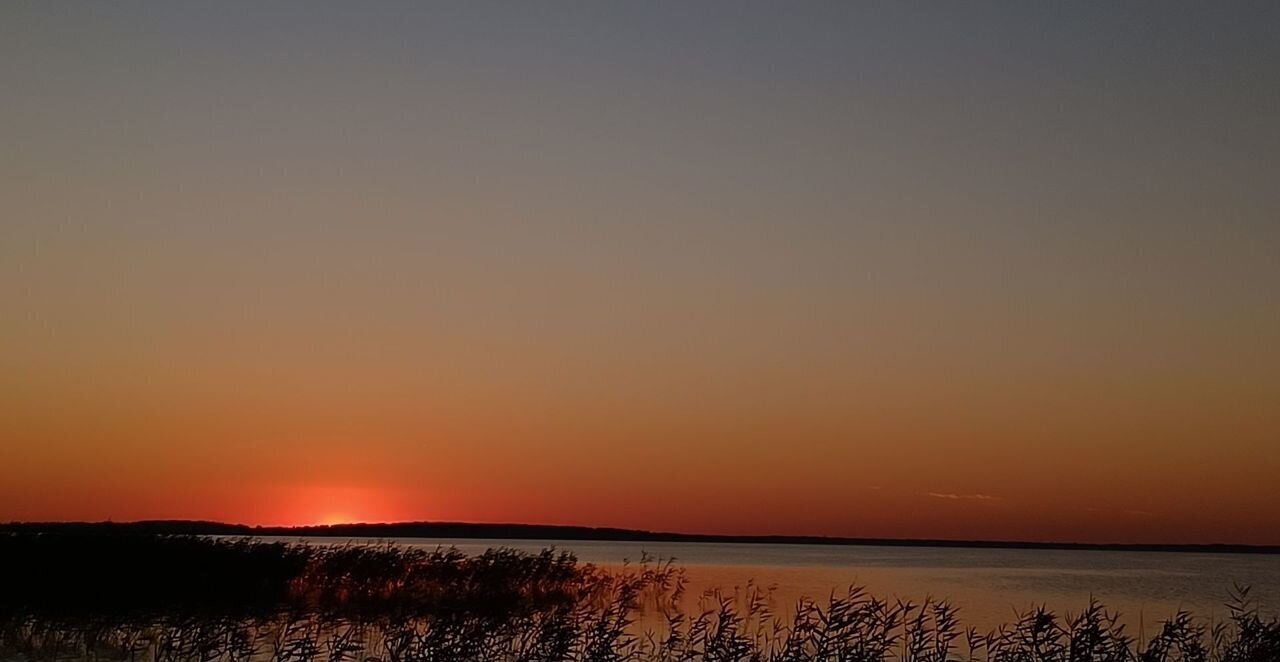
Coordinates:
[484,531]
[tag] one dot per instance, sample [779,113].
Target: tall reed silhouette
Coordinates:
[179,599]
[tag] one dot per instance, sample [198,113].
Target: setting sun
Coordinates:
[328,506]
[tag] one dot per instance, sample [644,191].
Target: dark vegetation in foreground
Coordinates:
[168,599]
[556,532]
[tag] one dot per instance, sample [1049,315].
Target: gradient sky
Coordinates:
[927,270]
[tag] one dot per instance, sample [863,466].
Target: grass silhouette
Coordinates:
[145,598]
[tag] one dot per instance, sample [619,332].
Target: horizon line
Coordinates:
[572,532]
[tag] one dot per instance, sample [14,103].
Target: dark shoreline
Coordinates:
[580,533]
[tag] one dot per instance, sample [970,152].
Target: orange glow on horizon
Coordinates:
[328,506]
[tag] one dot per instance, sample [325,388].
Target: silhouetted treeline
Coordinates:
[431,530]
[139,574]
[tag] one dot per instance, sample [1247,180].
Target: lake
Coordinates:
[988,585]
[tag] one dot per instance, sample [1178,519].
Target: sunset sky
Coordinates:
[946,270]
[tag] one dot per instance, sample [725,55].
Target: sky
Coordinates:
[942,270]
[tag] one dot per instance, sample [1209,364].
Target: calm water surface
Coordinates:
[988,585]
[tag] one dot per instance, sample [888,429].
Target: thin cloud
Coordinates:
[962,497]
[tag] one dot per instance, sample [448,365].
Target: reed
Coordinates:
[179,599]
